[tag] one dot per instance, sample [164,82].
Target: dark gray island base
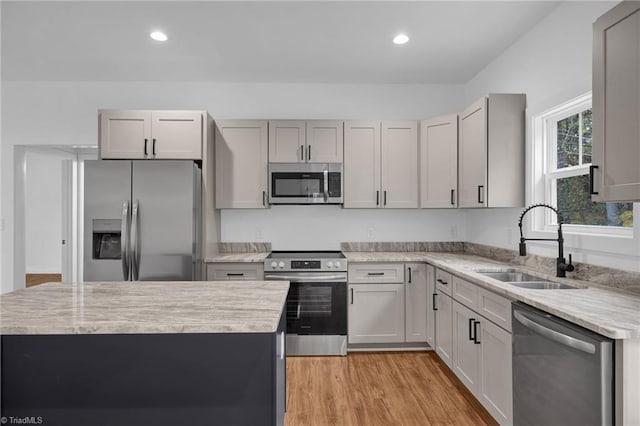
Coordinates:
[209,378]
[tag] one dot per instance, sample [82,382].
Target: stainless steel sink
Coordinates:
[522,279]
[512,276]
[543,285]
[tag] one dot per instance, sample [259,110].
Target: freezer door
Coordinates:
[107,195]
[163,220]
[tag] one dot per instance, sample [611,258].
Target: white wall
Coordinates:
[325,227]
[43,220]
[551,64]
[65,113]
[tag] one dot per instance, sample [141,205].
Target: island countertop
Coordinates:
[144,307]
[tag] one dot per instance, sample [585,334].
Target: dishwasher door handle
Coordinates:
[556,336]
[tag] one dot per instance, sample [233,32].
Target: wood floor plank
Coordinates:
[378,389]
[35,279]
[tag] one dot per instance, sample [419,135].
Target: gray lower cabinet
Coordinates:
[388,303]
[444,327]
[376,313]
[235,271]
[431,300]
[416,299]
[481,349]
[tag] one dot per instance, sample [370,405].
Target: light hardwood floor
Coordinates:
[378,389]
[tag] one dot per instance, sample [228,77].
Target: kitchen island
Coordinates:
[145,353]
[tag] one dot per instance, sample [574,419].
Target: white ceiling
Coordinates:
[321,42]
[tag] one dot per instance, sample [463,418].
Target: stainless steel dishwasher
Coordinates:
[562,373]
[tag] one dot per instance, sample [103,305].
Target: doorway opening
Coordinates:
[48,203]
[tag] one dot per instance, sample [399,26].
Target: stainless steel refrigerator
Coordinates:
[142,220]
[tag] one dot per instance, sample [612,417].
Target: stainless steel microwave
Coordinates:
[305,183]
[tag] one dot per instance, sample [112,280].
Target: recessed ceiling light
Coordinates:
[158,36]
[401,39]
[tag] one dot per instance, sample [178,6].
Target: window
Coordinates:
[567,141]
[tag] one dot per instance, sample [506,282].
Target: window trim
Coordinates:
[541,224]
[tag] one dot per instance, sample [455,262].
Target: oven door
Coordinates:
[316,306]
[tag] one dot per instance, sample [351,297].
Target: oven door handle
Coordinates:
[307,278]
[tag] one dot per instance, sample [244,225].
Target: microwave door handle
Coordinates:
[326,185]
[135,266]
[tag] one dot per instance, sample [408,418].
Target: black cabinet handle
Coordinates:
[475,332]
[409,275]
[472,329]
[377,198]
[433,301]
[352,296]
[591,176]
[375,274]
[308,152]
[301,152]
[442,281]
[480,191]
[145,146]
[153,146]
[230,274]
[385,198]
[453,191]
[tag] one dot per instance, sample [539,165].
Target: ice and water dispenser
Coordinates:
[107,238]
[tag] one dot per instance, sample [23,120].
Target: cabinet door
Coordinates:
[495,391]
[124,134]
[324,141]
[472,160]
[176,135]
[241,164]
[416,294]
[287,141]
[616,104]
[361,164]
[439,162]
[431,313]
[466,352]
[400,164]
[444,327]
[376,313]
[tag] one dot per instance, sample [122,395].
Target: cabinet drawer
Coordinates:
[376,273]
[495,308]
[235,271]
[443,281]
[465,293]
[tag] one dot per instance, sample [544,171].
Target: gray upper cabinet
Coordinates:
[616,104]
[439,162]
[133,134]
[319,141]
[491,152]
[324,141]
[241,164]
[381,164]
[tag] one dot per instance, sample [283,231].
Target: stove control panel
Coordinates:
[310,265]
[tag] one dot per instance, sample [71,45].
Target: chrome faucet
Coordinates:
[561,266]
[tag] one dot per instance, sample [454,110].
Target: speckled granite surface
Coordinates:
[144,307]
[611,312]
[446,246]
[240,253]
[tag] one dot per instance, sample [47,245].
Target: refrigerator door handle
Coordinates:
[124,240]
[135,268]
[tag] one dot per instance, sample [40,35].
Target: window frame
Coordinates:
[544,173]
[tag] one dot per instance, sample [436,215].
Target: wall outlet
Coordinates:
[259,234]
[370,233]
[453,231]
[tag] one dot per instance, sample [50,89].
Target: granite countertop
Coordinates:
[144,307]
[610,312]
[238,258]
